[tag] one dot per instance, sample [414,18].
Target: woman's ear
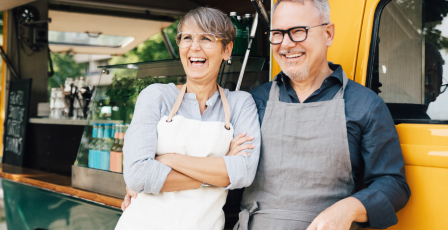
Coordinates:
[228,51]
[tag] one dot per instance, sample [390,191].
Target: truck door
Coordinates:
[403,57]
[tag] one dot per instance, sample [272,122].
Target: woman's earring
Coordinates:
[229,62]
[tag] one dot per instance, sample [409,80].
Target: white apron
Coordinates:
[196,209]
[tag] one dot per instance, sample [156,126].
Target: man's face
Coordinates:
[299,60]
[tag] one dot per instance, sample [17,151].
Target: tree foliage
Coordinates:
[124,86]
[153,49]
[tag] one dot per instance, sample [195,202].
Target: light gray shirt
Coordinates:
[144,174]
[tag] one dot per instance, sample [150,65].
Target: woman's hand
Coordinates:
[236,145]
[127,198]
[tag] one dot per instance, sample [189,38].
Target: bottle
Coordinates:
[244,36]
[237,46]
[247,25]
[99,142]
[121,144]
[104,149]
[92,145]
[113,130]
[239,19]
[116,152]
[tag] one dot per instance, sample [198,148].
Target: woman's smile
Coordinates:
[197,62]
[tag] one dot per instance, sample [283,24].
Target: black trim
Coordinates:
[374,41]
[420,121]
[112,12]
[83,45]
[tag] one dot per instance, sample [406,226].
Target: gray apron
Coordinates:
[304,165]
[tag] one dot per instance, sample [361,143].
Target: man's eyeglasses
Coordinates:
[296,34]
[443,86]
[205,40]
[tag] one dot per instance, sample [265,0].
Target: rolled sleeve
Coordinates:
[242,169]
[386,189]
[142,173]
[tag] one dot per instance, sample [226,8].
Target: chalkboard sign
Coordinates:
[16,121]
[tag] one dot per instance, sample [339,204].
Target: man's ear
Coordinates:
[228,51]
[329,34]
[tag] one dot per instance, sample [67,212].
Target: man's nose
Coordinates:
[287,42]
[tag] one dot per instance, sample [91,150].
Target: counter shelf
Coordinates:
[114,100]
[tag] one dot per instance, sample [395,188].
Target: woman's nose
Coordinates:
[195,45]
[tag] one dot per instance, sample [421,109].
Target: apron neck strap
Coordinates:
[274,93]
[178,101]
[340,93]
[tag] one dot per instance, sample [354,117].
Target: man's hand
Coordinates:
[127,198]
[340,215]
[236,145]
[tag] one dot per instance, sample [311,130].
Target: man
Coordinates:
[323,136]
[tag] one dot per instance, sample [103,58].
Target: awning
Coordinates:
[9,4]
[85,28]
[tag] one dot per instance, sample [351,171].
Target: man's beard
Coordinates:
[298,76]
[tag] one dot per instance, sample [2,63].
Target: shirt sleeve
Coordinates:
[242,169]
[386,189]
[141,172]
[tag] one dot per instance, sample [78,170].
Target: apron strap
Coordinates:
[225,105]
[244,216]
[340,93]
[177,103]
[179,98]
[274,93]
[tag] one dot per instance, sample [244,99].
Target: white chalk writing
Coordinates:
[14,144]
[16,113]
[16,116]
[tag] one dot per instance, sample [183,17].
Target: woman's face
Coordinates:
[199,63]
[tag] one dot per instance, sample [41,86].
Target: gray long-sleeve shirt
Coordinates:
[144,174]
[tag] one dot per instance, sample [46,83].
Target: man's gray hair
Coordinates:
[209,20]
[322,8]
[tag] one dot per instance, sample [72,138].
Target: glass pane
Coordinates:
[111,111]
[409,66]
[115,94]
[88,39]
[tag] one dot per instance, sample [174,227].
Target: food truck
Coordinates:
[397,48]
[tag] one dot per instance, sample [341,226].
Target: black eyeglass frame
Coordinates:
[288,31]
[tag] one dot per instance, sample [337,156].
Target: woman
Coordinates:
[196,122]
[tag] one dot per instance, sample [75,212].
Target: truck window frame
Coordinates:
[371,62]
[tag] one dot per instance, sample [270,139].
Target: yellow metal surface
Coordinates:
[347,16]
[424,146]
[364,42]
[3,82]
[425,152]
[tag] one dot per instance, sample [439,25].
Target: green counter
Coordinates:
[31,208]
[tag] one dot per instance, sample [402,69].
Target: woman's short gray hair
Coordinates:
[322,8]
[210,20]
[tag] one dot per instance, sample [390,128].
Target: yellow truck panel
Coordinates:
[424,146]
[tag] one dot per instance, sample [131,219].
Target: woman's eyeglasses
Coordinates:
[205,40]
[296,34]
